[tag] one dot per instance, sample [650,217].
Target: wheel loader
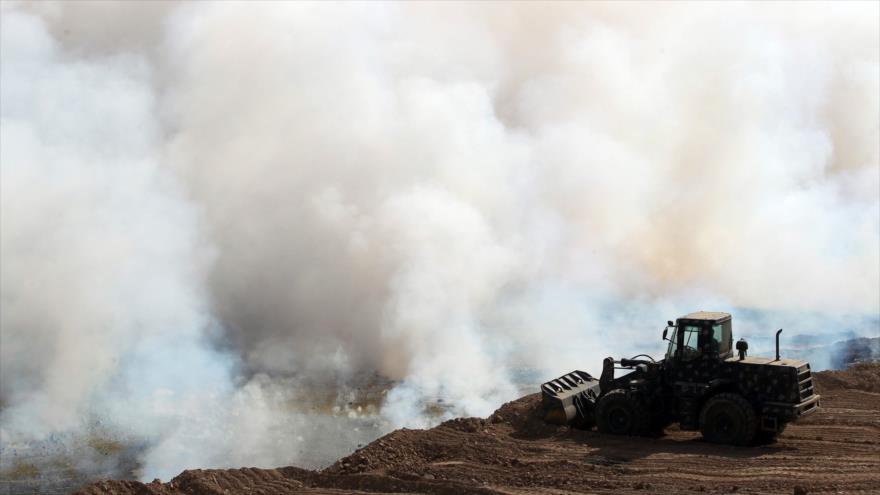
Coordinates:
[732,398]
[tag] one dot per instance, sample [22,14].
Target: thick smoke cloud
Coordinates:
[202,201]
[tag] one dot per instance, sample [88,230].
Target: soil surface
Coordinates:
[835,450]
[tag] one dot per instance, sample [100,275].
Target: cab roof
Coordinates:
[715,316]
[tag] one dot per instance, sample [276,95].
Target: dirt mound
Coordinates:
[206,482]
[835,450]
[859,376]
[526,417]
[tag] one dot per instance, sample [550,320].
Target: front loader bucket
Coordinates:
[570,399]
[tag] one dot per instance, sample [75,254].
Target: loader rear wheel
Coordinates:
[728,418]
[621,413]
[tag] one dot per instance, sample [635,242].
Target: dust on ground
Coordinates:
[835,450]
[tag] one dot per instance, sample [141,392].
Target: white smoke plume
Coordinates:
[201,200]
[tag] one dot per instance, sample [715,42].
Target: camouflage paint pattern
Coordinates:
[676,388]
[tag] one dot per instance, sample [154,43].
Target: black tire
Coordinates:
[728,418]
[620,412]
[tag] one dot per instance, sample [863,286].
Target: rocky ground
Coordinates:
[836,450]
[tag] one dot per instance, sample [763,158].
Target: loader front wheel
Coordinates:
[619,412]
[728,418]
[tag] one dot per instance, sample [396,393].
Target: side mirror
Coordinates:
[665,330]
[669,323]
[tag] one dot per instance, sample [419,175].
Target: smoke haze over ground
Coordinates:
[208,208]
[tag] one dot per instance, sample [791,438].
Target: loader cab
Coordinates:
[701,336]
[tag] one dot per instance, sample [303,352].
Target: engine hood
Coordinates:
[797,363]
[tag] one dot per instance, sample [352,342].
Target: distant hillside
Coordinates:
[861,350]
[837,355]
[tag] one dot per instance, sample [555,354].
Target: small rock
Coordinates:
[799,490]
[428,476]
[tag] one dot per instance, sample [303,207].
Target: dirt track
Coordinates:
[836,450]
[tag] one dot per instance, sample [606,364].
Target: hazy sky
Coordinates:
[198,194]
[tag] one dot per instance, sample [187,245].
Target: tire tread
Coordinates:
[641,425]
[748,434]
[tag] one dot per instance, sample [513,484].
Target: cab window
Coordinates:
[673,344]
[721,335]
[690,348]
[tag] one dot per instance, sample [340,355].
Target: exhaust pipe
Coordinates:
[777,343]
